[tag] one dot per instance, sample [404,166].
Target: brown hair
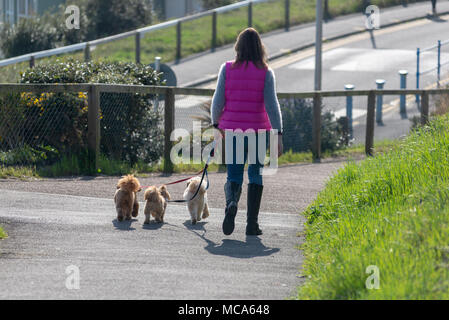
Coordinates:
[249,47]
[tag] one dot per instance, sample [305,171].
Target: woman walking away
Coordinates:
[245,99]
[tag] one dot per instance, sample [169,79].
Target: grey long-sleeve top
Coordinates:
[271,101]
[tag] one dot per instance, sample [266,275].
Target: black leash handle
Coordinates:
[212,153]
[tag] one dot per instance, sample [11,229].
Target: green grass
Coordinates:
[2,233]
[197,34]
[73,165]
[390,211]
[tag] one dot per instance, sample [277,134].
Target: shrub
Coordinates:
[130,128]
[297,121]
[211,4]
[29,35]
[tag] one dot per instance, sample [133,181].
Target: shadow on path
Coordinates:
[250,248]
[125,225]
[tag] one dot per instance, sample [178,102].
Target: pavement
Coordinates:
[59,227]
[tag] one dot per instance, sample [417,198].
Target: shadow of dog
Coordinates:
[125,225]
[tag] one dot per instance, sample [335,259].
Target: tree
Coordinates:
[108,17]
[211,4]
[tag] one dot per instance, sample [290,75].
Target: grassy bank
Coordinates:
[391,212]
[197,34]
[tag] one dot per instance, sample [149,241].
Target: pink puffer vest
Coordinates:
[244,108]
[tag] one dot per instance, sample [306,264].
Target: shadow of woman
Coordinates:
[125,225]
[250,248]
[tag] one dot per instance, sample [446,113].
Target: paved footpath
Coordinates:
[57,223]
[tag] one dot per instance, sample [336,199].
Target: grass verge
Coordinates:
[390,212]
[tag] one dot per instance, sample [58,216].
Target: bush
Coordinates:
[29,35]
[211,4]
[297,121]
[130,128]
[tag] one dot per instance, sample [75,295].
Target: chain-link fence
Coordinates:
[42,124]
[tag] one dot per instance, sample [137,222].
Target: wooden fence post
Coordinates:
[316,127]
[178,41]
[93,128]
[214,31]
[370,119]
[424,108]
[137,47]
[169,126]
[287,15]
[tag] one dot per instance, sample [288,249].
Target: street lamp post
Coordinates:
[318,44]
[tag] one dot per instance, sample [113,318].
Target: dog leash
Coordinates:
[204,174]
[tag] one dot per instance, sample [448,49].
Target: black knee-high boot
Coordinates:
[254,199]
[232,192]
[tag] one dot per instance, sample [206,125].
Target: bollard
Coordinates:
[418,73]
[157,67]
[402,107]
[380,101]
[349,108]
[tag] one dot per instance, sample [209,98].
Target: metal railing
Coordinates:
[141,32]
[94,91]
[438,66]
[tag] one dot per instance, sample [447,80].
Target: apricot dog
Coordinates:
[125,197]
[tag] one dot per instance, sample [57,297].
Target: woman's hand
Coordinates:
[218,134]
[280,145]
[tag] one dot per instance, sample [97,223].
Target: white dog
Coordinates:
[197,205]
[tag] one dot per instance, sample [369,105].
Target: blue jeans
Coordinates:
[235,169]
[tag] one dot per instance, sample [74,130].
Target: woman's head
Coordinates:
[249,47]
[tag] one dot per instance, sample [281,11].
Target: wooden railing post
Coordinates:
[169,126]
[316,127]
[370,120]
[214,31]
[93,128]
[87,52]
[32,62]
[178,41]
[137,40]
[287,15]
[424,108]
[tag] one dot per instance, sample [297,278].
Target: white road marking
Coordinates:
[356,113]
[369,60]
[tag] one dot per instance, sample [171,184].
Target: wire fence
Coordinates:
[41,124]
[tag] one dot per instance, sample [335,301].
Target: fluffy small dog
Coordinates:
[197,205]
[125,197]
[156,199]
